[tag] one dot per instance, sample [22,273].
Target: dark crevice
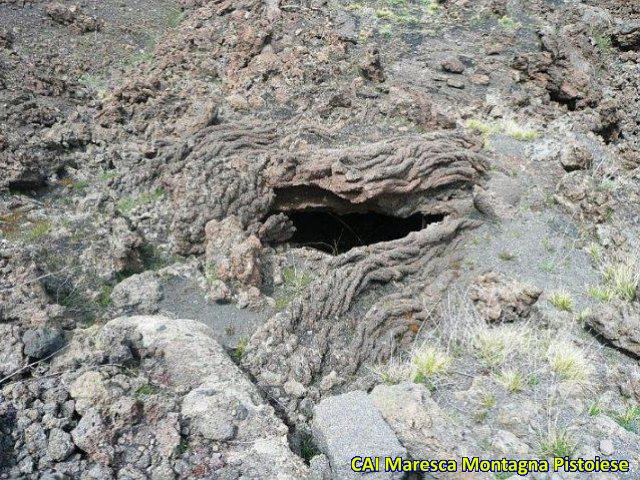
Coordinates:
[608,343]
[338,233]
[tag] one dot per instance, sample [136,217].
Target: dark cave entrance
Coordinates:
[327,222]
[338,233]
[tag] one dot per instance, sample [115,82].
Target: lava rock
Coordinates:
[453,65]
[41,342]
[60,445]
[339,437]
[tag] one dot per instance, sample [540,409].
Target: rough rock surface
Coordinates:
[161,155]
[341,438]
[500,300]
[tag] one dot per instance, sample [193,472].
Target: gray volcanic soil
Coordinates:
[219,219]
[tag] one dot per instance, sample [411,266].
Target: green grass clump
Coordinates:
[603,42]
[494,346]
[512,380]
[239,352]
[594,409]
[557,443]
[430,361]
[601,294]
[524,135]
[81,186]
[146,390]
[483,128]
[569,362]
[562,301]
[622,278]
[104,299]
[488,400]
[294,282]
[629,419]
[385,13]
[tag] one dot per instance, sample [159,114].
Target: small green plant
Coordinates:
[523,135]
[239,352]
[108,175]
[183,446]
[547,245]
[629,419]
[104,299]
[622,278]
[569,362]
[562,301]
[557,443]
[146,390]
[294,282]
[594,251]
[601,294]
[512,380]
[488,400]
[393,372]
[386,31]
[582,315]
[483,128]
[594,409]
[493,346]
[533,379]
[94,82]
[603,42]
[429,362]
[308,448]
[506,256]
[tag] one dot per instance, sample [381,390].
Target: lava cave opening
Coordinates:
[338,233]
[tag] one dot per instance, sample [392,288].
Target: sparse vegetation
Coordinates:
[294,282]
[393,372]
[428,362]
[569,361]
[622,277]
[557,443]
[129,204]
[495,346]
[521,134]
[146,390]
[629,419]
[241,348]
[561,300]
[104,300]
[594,409]
[599,293]
[512,380]
[488,400]
[602,41]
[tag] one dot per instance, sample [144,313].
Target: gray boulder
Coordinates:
[60,445]
[41,342]
[350,425]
